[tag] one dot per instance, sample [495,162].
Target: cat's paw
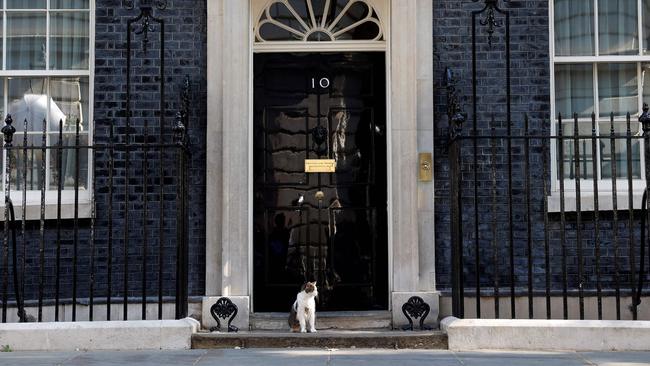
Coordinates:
[312,330]
[303,330]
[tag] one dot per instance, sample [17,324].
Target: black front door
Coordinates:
[327,227]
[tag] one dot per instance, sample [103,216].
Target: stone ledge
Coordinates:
[100,335]
[546,335]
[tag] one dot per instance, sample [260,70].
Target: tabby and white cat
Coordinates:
[303,310]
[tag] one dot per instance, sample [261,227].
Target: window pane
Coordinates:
[645,82]
[69,4]
[618,89]
[574,27]
[69,102]
[26,41]
[645,11]
[26,170]
[618,28]
[69,41]
[574,90]
[64,164]
[26,4]
[606,166]
[586,156]
[27,100]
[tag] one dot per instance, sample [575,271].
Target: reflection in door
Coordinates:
[328,227]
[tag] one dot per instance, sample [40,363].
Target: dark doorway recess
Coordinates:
[328,227]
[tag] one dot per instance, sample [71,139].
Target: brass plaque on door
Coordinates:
[320,165]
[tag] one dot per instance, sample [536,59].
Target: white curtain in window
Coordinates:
[618,89]
[26,40]
[618,28]
[574,90]
[574,27]
[69,40]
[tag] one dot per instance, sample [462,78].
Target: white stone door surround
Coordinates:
[229,163]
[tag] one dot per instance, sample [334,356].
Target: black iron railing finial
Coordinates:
[645,119]
[491,8]
[160,4]
[8,130]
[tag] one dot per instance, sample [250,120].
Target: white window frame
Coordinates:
[33,199]
[604,185]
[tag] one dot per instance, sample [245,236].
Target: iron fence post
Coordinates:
[645,121]
[180,136]
[8,131]
[456,120]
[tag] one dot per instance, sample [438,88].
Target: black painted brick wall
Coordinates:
[185,43]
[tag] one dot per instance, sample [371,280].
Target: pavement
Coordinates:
[312,357]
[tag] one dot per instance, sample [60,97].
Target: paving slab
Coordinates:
[521,358]
[280,357]
[322,357]
[152,358]
[393,358]
[618,359]
[35,358]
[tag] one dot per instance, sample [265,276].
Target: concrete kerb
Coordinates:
[546,335]
[100,335]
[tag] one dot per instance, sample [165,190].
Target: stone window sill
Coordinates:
[605,201]
[33,206]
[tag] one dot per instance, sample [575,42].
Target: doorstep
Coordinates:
[326,320]
[385,339]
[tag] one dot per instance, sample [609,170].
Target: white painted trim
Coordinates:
[605,185]
[339,46]
[67,197]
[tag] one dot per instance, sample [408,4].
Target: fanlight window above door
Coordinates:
[318,21]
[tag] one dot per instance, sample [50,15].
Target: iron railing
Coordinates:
[523,228]
[138,210]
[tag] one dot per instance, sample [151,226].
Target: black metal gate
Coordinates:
[102,219]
